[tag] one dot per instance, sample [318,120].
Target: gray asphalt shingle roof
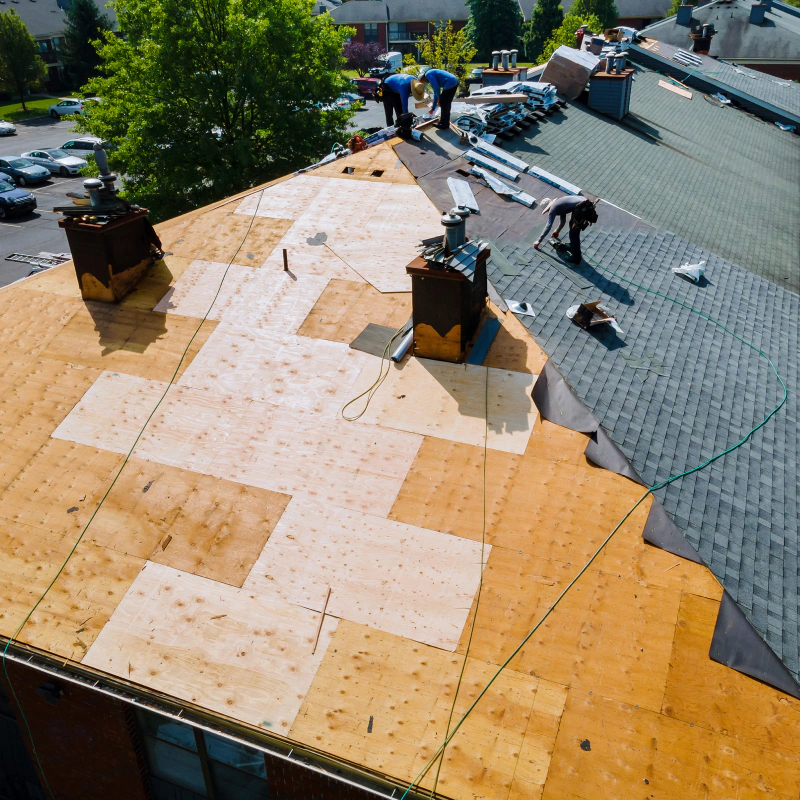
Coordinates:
[713,175]
[47,17]
[674,390]
[777,38]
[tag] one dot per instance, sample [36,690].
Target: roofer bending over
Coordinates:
[396,90]
[444,85]
[583,214]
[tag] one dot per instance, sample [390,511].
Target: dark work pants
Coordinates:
[445,101]
[391,103]
[575,242]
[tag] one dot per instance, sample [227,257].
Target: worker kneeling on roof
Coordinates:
[583,214]
[444,85]
[396,90]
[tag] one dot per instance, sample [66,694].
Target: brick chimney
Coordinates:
[684,16]
[701,39]
[757,12]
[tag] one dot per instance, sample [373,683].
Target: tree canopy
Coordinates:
[85,25]
[360,56]
[546,17]
[565,33]
[448,49]
[494,25]
[605,11]
[205,98]
[21,66]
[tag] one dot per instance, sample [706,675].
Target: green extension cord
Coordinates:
[448,737]
[103,499]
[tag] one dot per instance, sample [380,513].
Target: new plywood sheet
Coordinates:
[710,695]
[131,340]
[448,401]
[243,656]
[112,413]
[244,296]
[638,753]
[285,200]
[294,371]
[380,249]
[513,347]
[305,259]
[196,523]
[390,576]
[346,307]
[258,444]
[384,701]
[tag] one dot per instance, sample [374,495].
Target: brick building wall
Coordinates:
[84,738]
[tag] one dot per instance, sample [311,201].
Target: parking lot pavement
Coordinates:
[39,231]
[369,116]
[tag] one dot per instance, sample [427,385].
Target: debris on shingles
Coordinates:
[647,363]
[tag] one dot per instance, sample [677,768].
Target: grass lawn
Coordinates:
[36,105]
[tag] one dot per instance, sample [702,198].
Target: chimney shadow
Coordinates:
[128,329]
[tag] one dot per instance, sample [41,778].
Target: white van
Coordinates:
[388,63]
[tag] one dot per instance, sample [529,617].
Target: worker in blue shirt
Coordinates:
[444,85]
[396,91]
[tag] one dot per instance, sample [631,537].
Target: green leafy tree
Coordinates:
[205,98]
[604,10]
[21,67]
[85,26]
[448,49]
[565,33]
[547,16]
[494,25]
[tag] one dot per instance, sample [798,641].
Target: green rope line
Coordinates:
[480,582]
[652,489]
[103,499]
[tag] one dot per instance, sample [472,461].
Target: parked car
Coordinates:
[387,64]
[23,170]
[57,161]
[14,201]
[84,146]
[6,128]
[366,87]
[69,105]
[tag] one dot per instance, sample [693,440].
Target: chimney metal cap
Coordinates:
[92,183]
[451,219]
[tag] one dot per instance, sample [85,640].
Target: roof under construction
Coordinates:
[186,512]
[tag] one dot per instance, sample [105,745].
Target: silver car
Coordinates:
[57,161]
[69,105]
[6,128]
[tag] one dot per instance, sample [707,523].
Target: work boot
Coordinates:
[537,245]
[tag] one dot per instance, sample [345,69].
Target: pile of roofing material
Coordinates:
[570,69]
[507,119]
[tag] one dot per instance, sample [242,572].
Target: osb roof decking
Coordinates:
[247,496]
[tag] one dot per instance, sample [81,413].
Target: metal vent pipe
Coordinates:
[495,59]
[505,54]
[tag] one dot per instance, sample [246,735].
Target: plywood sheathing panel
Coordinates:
[710,695]
[553,509]
[305,259]
[130,340]
[259,444]
[406,689]
[222,235]
[611,635]
[36,396]
[449,401]
[345,308]
[380,247]
[207,526]
[394,577]
[199,640]
[638,753]
[244,296]
[286,200]
[300,373]
[60,280]
[378,158]
[156,282]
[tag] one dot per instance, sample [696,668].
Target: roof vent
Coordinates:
[684,16]
[757,11]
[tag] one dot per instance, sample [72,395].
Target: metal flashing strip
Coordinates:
[499,187]
[489,163]
[553,180]
[738,645]
[500,155]
[462,194]
[197,717]
[684,57]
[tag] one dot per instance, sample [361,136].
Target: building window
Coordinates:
[371,32]
[188,764]
[397,32]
